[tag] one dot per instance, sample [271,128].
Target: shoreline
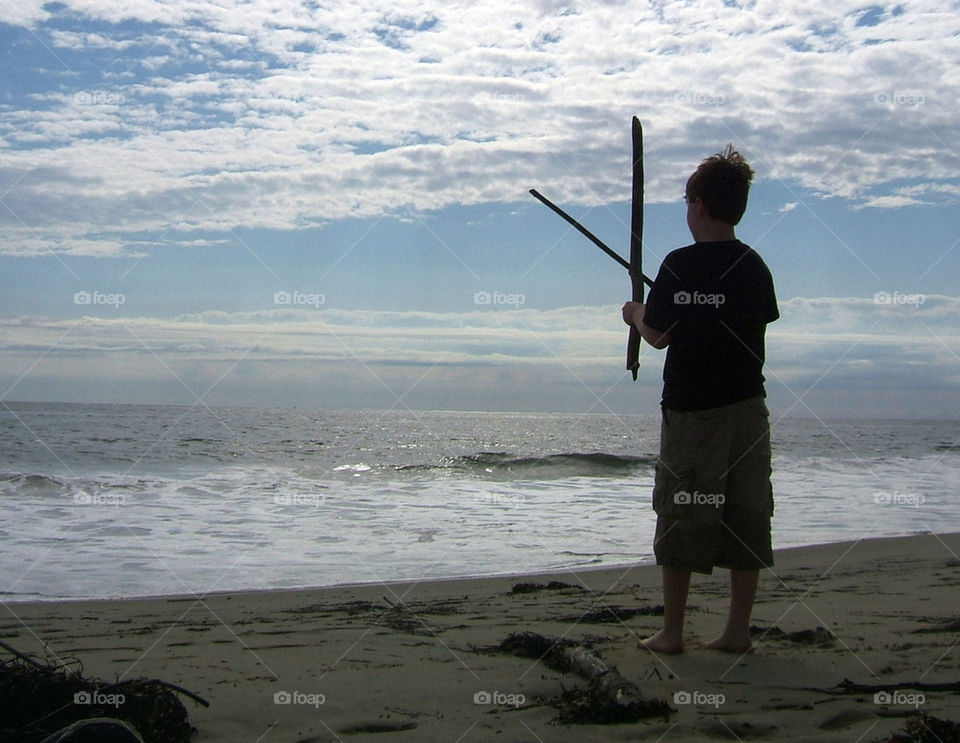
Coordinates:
[415,659]
[537,575]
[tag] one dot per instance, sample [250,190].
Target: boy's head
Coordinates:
[721,182]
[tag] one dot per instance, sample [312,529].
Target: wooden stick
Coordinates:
[586,233]
[636,244]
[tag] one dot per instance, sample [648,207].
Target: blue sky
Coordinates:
[187,167]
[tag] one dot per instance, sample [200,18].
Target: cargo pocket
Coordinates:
[672,489]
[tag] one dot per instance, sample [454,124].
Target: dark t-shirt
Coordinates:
[715,300]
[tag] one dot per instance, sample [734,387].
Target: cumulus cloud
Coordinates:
[286,116]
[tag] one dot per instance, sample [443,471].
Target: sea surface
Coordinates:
[138,500]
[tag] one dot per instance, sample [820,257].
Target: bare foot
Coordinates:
[730,644]
[662,643]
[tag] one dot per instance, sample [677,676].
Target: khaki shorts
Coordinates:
[712,492]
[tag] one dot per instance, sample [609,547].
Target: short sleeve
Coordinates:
[661,310]
[771,311]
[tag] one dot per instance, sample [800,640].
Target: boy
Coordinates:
[709,307]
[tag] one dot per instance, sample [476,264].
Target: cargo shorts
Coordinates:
[712,492]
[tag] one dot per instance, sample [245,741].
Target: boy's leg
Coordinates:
[736,635]
[676,584]
[745,538]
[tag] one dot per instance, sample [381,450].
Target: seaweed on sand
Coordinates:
[37,699]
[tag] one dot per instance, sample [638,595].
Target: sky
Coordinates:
[325,204]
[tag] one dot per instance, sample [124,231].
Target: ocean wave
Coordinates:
[28,483]
[543,467]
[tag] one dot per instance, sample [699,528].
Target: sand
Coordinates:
[405,661]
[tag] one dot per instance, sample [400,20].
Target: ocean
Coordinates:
[108,501]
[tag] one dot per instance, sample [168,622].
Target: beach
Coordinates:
[417,660]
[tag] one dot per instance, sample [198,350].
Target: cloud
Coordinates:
[191,118]
[917,194]
[504,358]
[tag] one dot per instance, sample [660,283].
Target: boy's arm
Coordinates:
[633,313]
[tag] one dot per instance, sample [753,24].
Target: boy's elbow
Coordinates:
[655,338]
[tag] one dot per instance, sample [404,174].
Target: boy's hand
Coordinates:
[633,313]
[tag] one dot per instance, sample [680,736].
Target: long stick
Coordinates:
[636,244]
[586,233]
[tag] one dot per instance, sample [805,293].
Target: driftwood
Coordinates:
[610,698]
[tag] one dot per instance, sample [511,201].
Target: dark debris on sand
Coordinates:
[37,700]
[818,636]
[614,614]
[923,728]
[554,585]
[587,707]
[952,625]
